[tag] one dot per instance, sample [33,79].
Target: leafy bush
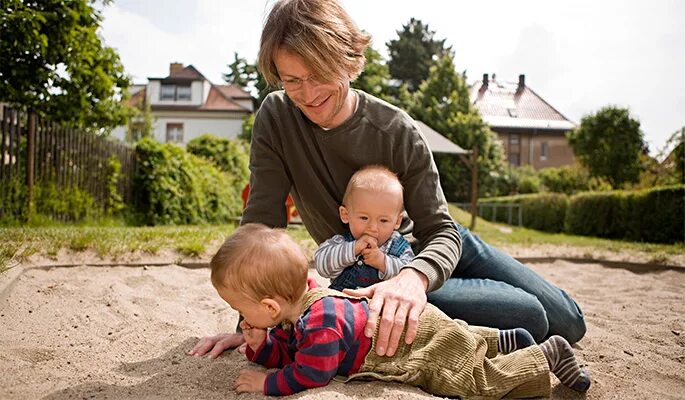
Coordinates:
[544,211]
[176,187]
[570,179]
[654,215]
[230,156]
[67,203]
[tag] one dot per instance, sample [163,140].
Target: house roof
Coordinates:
[234,91]
[515,105]
[187,73]
[438,143]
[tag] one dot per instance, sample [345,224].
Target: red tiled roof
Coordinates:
[136,98]
[507,104]
[217,100]
[233,91]
[188,72]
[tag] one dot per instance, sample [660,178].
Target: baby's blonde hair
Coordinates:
[260,263]
[375,178]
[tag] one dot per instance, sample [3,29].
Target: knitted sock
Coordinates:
[563,364]
[513,339]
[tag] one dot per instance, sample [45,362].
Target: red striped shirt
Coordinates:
[327,340]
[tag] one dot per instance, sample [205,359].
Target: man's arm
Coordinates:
[269,181]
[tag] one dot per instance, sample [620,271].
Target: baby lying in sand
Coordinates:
[317,334]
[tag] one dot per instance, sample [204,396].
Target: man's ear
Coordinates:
[272,307]
[344,216]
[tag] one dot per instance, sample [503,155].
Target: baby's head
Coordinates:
[373,203]
[257,271]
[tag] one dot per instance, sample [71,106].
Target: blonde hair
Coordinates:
[319,31]
[376,178]
[260,262]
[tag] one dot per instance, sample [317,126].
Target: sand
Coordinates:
[122,332]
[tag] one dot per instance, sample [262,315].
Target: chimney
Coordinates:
[175,68]
[522,81]
[485,79]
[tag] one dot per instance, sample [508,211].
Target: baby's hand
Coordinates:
[374,258]
[364,242]
[254,337]
[250,380]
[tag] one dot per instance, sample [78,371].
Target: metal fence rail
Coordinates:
[491,211]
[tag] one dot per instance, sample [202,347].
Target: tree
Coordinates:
[141,122]
[375,76]
[609,144]
[413,53]
[246,75]
[442,102]
[54,62]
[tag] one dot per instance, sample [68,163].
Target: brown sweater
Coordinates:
[290,154]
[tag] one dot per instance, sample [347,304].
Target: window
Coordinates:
[175,92]
[514,138]
[514,159]
[174,133]
[168,92]
[544,151]
[183,92]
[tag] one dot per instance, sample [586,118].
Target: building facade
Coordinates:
[185,105]
[532,132]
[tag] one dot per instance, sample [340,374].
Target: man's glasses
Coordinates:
[293,84]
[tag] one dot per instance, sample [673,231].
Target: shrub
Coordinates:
[545,211]
[230,156]
[176,187]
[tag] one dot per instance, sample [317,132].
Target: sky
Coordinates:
[578,55]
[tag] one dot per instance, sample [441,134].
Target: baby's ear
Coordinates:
[272,307]
[399,220]
[344,216]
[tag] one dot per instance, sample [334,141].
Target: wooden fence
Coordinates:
[35,151]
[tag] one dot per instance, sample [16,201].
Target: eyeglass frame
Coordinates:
[287,84]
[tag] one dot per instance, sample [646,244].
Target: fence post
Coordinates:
[474,186]
[30,160]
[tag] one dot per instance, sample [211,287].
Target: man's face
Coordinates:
[324,103]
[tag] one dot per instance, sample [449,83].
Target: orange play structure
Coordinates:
[290,209]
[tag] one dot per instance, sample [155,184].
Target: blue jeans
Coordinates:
[355,276]
[490,288]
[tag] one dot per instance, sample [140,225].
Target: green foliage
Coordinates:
[609,144]
[246,131]
[141,122]
[229,156]
[375,76]
[67,203]
[570,179]
[654,215]
[413,53]
[247,76]
[442,102]
[176,187]
[13,199]
[114,203]
[54,62]
[544,211]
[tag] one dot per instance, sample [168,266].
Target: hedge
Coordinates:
[176,187]
[654,215]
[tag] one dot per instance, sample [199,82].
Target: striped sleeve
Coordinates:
[274,351]
[393,263]
[333,256]
[316,363]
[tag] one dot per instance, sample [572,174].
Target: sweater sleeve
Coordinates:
[316,363]
[425,203]
[333,256]
[393,263]
[274,351]
[269,181]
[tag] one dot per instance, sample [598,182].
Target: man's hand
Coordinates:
[254,337]
[398,301]
[374,258]
[217,344]
[364,242]
[250,380]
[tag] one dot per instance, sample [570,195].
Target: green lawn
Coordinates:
[114,242]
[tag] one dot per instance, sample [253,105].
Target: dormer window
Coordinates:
[175,92]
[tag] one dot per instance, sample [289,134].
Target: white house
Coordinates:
[185,105]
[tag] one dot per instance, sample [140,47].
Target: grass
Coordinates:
[116,241]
